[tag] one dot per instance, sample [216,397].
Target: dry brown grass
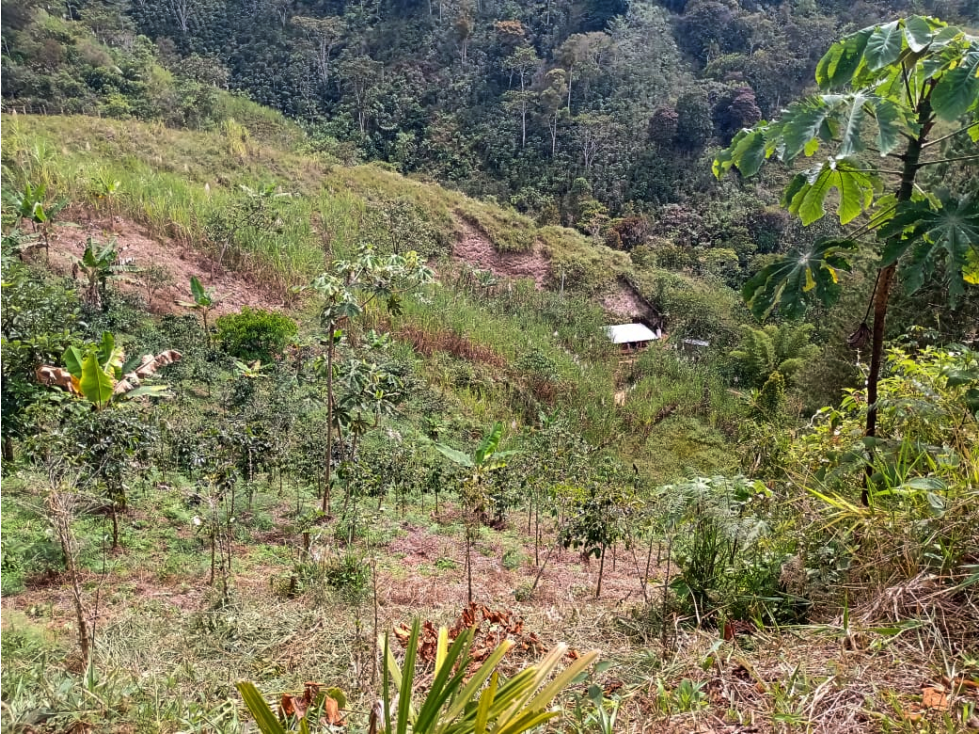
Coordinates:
[458,345]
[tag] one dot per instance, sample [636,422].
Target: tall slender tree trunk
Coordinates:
[66,535]
[601,573]
[885,280]
[469,566]
[115,526]
[329,419]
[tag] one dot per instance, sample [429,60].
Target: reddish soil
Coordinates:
[567,580]
[625,303]
[476,249]
[137,246]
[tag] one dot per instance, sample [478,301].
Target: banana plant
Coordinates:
[101,374]
[106,188]
[97,265]
[29,205]
[486,459]
[203,301]
[251,370]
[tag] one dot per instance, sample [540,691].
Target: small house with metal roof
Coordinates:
[632,337]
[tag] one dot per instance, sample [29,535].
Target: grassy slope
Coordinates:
[156,626]
[176,182]
[163,174]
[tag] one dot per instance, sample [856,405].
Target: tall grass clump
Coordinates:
[900,507]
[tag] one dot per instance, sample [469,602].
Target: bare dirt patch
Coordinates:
[476,249]
[625,303]
[140,248]
[567,580]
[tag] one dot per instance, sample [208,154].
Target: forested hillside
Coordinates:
[539,104]
[312,420]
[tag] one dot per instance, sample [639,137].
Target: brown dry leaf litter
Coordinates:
[298,706]
[490,628]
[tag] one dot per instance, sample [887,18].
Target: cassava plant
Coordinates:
[894,101]
[347,289]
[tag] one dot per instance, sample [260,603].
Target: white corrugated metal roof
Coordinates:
[630,333]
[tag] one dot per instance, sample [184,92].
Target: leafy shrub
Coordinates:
[786,348]
[348,574]
[255,334]
[41,317]
[725,553]
[512,560]
[538,365]
[916,514]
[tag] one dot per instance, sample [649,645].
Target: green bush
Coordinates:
[255,334]
[726,556]
[349,574]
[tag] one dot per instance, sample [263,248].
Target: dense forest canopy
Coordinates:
[598,116]
[517,100]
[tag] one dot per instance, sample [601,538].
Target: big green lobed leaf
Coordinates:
[958,89]
[788,282]
[922,236]
[807,193]
[884,45]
